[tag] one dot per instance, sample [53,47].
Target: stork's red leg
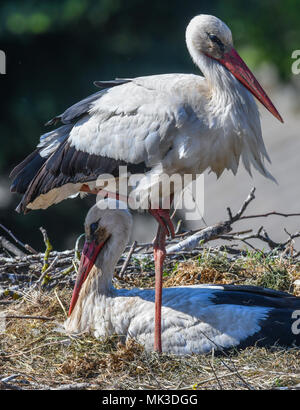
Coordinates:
[165,227]
[159,257]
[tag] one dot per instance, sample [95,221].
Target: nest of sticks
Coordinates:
[35,290]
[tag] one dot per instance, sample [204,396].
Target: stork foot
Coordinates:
[163,218]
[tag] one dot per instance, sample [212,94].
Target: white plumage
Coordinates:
[195,319]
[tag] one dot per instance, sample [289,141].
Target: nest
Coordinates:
[35,290]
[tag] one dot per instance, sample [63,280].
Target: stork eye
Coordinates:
[94,227]
[213,38]
[216,40]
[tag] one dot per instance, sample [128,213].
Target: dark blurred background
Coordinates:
[56,48]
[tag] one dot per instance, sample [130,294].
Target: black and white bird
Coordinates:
[171,123]
[157,125]
[195,319]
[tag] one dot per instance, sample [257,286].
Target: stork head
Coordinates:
[207,37]
[107,229]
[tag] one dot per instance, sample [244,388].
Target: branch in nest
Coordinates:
[212,232]
[263,237]
[28,317]
[205,235]
[221,230]
[25,246]
[239,214]
[6,244]
[43,276]
[49,248]
[127,260]
[270,214]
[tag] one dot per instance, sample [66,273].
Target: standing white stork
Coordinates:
[195,318]
[160,124]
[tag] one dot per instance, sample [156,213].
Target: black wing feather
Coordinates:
[37,174]
[276,327]
[68,165]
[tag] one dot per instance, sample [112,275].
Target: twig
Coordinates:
[230,360]
[60,302]
[210,379]
[76,250]
[10,247]
[9,386]
[37,347]
[269,214]
[265,238]
[28,317]
[211,363]
[49,248]
[9,378]
[238,215]
[75,386]
[25,246]
[222,231]
[205,235]
[126,262]
[36,257]
[47,270]
[212,232]
[177,229]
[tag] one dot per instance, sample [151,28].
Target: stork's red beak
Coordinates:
[88,257]
[233,62]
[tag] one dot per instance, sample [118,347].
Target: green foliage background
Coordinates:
[56,49]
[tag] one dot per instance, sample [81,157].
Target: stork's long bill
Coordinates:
[235,64]
[88,257]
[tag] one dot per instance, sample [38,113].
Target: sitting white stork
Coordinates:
[195,319]
[161,124]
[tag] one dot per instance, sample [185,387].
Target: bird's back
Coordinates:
[128,122]
[196,319]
